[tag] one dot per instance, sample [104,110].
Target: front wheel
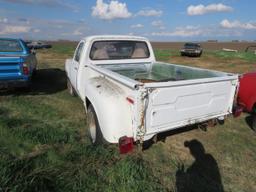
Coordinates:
[93,128]
[254,121]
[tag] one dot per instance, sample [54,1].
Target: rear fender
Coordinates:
[68,64]
[111,107]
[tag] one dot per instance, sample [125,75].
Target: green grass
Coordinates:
[41,150]
[165,55]
[246,56]
[64,48]
[43,145]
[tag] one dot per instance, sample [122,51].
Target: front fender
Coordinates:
[113,111]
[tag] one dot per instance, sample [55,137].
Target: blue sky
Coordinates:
[162,20]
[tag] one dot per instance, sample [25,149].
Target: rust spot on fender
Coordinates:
[106,87]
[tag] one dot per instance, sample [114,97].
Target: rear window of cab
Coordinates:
[115,50]
[9,45]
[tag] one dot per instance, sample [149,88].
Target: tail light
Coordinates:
[237,111]
[130,100]
[25,69]
[125,144]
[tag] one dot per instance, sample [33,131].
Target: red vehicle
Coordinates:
[247,95]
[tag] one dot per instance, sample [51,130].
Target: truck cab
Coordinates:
[17,63]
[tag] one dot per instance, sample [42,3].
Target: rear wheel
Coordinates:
[34,73]
[93,128]
[70,88]
[27,87]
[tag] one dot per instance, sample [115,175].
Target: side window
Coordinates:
[79,51]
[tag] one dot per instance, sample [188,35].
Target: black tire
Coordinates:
[34,73]
[254,121]
[33,76]
[25,88]
[71,90]
[93,128]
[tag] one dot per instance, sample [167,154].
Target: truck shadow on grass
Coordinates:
[45,82]
[49,81]
[248,121]
[161,137]
[203,175]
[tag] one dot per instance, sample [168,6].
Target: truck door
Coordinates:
[75,65]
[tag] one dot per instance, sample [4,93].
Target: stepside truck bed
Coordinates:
[177,96]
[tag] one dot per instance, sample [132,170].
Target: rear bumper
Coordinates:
[190,53]
[13,84]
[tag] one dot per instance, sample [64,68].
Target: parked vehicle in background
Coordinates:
[251,48]
[129,97]
[247,95]
[191,49]
[17,63]
[38,45]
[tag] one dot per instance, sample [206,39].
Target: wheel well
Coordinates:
[254,108]
[87,102]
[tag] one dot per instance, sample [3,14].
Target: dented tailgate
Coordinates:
[172,106]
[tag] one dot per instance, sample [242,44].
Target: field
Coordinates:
[43,146]
[209,46]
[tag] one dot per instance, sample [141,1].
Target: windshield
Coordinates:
[111,50]
[191,46]
[10,46]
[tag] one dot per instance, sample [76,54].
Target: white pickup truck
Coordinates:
[127,94]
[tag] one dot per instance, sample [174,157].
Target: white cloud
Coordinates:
[158,24]
[237,25]
[188,31]
[46,3]
[77,32]
[3,20]
[113,10]
[11,29]
[24,20]
[137,26]
[150,13]
[201,9]
[36,30]
[199,32]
